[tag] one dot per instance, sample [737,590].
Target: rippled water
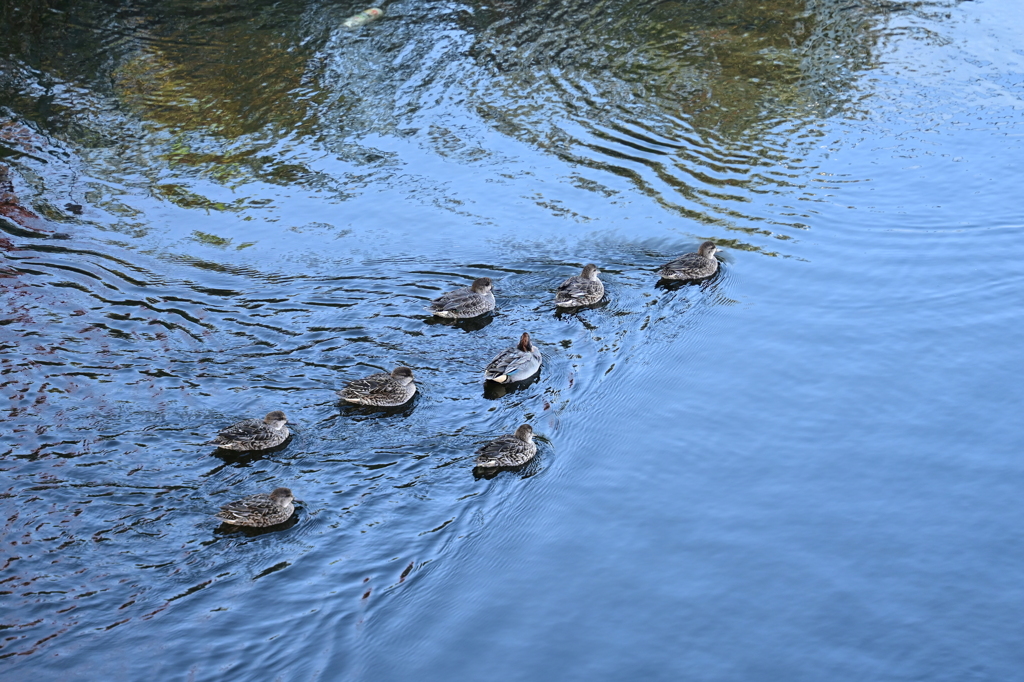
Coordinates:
[806,467]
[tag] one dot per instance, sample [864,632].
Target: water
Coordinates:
[807,467]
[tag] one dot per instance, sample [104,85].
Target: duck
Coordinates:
[260,510]
[582,289]
[692,266]
[254,434]
[517,363]
[381,390]
[510,450]
[471,301]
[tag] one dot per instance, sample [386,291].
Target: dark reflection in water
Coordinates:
[362,412]
[470,324]
[496,391]
[808,462]
[247,457]
[250,532]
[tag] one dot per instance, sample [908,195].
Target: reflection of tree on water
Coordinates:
[700,105]
[167,88]
[686,100]
[723,65]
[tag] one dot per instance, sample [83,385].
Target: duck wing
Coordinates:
[500,447]
[257,509]
[691,265]
[375,383]
[454,300]
[523,364]
[505,451]
[502,360]
[577,288]
[249,429]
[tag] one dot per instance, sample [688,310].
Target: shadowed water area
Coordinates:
[807,467]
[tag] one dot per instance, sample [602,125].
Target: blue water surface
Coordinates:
[806,468]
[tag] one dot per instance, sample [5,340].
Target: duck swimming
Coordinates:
[582,289]
[254,434]
[260,510]
[381,390]
[692,265]
[510,450]
[471,301]
[514,364]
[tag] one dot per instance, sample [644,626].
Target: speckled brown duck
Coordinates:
[260,510]
[582,289]
[691,266]
[254,434]
[471,301]
[510,450]
[381,390]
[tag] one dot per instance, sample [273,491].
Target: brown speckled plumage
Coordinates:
[471,301]
[254,434]
[260,510]
[381,390]
[692,266]
[582,289]
[510,450]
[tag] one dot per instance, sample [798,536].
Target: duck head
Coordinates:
[402,374]
[282,496]
[525,433]
[275,419]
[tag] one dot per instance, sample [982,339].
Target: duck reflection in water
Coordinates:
[493,391]
[471,324]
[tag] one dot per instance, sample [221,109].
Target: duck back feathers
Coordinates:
[691,266]
[254,434]
[260,510]
[510,450]
[471,301]
[580,290]
[381,390]
[513,364]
